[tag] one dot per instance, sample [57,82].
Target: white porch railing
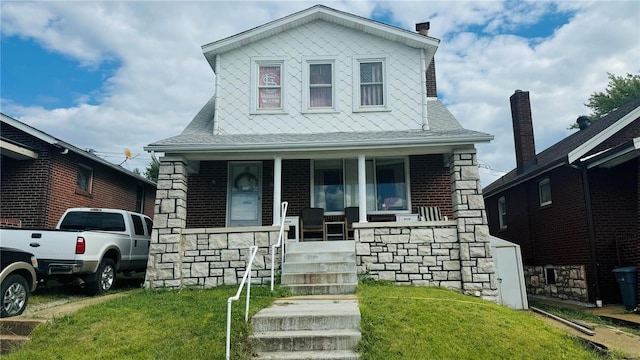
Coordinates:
[247,275]
[283,212]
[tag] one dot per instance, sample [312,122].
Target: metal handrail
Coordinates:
[247,274]
[283,213]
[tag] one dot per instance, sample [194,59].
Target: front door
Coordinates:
[245,193]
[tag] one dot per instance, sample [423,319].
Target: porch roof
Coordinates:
[198,138]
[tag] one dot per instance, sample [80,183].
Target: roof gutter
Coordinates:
[287,147]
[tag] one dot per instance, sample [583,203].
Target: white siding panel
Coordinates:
[319,39]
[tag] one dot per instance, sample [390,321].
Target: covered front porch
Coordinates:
[200,245]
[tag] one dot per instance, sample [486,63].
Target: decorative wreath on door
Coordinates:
[245,181]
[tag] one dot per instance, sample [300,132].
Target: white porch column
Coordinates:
[362,189]
[277,189]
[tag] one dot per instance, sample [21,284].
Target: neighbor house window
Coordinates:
[502,212]
[335,184]
[319,88]
[267,86]
[370,90]
[84,179]
[545,192]
[140,199]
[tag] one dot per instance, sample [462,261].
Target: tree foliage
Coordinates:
[152,171]
[619,91]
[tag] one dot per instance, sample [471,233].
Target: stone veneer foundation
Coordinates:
[570,282]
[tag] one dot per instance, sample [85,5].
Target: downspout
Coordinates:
[216,106]
[592,237]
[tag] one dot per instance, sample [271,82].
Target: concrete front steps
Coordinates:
[16,331]
[308,328]
[320,267]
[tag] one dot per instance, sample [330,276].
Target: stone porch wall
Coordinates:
[412,253]
[571,282]
[206,258]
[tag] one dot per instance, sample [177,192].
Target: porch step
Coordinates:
[16,331]
[345,277]
[323,267]
[307,340]
[310,355]
[310,327]
[320,289]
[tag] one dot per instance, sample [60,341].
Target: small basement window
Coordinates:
[550,274]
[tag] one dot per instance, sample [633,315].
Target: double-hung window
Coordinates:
[544,188]
[84,179]
[267,93]
[335,184]
[318,85]
[370,89]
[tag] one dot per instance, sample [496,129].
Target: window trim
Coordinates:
[357,107]
[375,211]
[89,189]
[256,63]
[542,183]
[307,61]
[502,212]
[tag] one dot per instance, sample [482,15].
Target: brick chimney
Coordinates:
[522,128]
[432,91]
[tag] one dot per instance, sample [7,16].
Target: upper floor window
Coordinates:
[502,212]
[544,188]
[319,85]
[371,87]
[84,179]
[267,93]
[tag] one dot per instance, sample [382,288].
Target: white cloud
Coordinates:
[164,79]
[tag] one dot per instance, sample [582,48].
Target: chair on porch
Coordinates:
[430,213]
[312,221]
[351,215]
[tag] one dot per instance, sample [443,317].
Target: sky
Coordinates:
[116,75]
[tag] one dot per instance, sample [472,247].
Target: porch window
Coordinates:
[370,90]
[544,188]
[335,184]
[502,212]
[267,94]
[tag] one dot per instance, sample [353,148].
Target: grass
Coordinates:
[433,323]
[397,323]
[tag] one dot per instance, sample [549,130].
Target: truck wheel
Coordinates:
[15,293]
[106,277]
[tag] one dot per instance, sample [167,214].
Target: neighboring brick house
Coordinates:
[43,176]
[573,208]
[311,109]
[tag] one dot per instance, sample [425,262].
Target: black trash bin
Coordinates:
[627,278]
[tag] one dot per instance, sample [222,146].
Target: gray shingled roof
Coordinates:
[444,129]
[558,153]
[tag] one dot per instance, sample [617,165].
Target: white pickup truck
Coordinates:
[88,246]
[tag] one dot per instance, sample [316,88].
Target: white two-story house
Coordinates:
[322,109]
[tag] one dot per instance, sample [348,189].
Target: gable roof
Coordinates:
[24,152]
[324,13]
[571,149]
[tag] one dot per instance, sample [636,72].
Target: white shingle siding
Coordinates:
[318,39]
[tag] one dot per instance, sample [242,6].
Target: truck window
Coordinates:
[149,225]
[137,225]
[80,220]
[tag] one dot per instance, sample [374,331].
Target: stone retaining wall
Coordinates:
[570,282]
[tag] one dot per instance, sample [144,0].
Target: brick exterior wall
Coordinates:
[39,191]
[432,90]
[558,234]
[207,198]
